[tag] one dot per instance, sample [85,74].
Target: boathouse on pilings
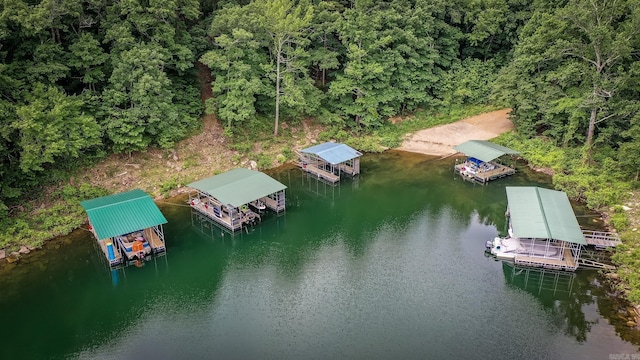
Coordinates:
[483,162]
[236,198]
[329,160]
[544,224]
[127,226]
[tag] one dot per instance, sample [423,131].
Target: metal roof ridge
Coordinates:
[122,202]
[544,215]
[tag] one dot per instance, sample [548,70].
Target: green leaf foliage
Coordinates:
[52,127]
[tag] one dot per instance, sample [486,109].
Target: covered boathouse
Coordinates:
[127,226]
[236,198]
[329,160]
[543,230]
[482,163]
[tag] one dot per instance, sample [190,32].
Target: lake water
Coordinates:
[389,265]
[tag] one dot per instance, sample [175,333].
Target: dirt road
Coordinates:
[440,140]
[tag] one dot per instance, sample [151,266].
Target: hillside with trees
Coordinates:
[81,80]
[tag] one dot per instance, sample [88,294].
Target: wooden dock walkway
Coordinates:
[601,239]
[157,245]
[595,264]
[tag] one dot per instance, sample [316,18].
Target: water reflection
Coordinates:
[563,294]
[387,265]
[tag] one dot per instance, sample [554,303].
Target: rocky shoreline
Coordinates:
[14,256]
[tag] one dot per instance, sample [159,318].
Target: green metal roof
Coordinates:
[238,186]
[122,213]
[543,214]
[484,150]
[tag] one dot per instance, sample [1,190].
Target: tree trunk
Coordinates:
[590,131]
[324,71]
[278,54]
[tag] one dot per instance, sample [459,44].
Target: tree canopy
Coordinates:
[80,79]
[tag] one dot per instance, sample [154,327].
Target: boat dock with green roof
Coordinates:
[236,198]
[543,230]
[482,164]
[127,226]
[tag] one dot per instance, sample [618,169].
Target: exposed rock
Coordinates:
[24,250]
[12,259]
[625,208]
[613,276]
[3,254]
[175,157]
[253,165]
[631,323]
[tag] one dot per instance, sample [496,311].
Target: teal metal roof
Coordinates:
[543,214]
[333,153]
[122,213]
[238,186]
[484,150]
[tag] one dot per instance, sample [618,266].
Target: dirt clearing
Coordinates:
[440,140]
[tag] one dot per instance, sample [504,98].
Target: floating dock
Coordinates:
[482,163]
[121,215]
[329,160]
[496,171]
[225,198]
[543,230]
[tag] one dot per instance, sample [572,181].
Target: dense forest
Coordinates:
[83,79]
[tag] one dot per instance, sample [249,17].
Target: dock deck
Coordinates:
[275,205]
[221,217]
[483,177]
[118,256]
[157,245]
[566,263]
[320,173]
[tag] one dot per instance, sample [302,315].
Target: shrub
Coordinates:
[167,186]
[264,161]
[620,221]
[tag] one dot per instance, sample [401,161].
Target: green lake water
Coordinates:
[390,265]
